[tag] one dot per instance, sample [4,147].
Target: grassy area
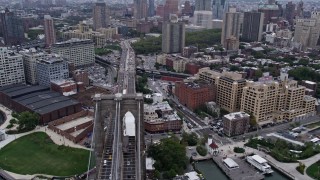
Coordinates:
[102,51]
[313,125]
[314,170]
[113,47]
[37,154]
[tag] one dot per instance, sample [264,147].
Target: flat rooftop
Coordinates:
[74,123]
[37,98]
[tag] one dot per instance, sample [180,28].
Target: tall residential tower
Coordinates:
[50,35]
[101,18]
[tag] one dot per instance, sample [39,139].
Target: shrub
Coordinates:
[238,150]
[301,168]
[9,126]
[202,150]
[13,121]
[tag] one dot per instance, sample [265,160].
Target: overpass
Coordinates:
[118,128]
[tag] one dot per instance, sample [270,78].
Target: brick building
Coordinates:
[81,75]
[193,95]
[236,123]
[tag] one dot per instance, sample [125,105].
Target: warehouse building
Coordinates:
[38,99]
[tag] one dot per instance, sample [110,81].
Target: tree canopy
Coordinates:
[26,121]
[170,157]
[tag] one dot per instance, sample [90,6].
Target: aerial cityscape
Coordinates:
[159,89]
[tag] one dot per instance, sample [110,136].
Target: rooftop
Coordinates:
[236,115]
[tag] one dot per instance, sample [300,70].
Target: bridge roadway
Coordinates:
[117,163]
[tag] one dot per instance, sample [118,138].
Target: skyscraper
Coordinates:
[101,16]
[307,31]
[173,36]
[203,5]
[140,9]
[271,11]
[12,28]
[151,9]
[171,7]
[231,29]
[290,12]
[218,8]
[50,35]
[252,26]
[187,10]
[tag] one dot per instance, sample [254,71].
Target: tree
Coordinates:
[190,139]
[202,150]
[27,121]
[170,156]
[253,121]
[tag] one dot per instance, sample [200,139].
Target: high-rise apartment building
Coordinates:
[101,17]
[203,5]
[50,34]
[140,9]
[252,26]
[276,100]
[187,9]
[52,68]
[203,18]
[173,36]
[290,12]
[11,67]
[151,9]
[231,29]
[271,12]
[307,31]
[78,52]
[12,28]
[218,8]
[229,91]
[30,58]
[228,87]
[170,7]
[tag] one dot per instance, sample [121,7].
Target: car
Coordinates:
[194,154]
[104,162]
[189,148]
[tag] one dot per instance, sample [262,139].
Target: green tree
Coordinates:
[253,121]
[27,121]
[202,150]
[190,139]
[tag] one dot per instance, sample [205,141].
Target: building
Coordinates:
[188,51]
[78,52]
[99,37]
[203,5]
[52,68]
[194,94]
[11,67]
[151,9]
[229,91]
[140,9]
[101,17]
[307,31]
[213,107]
[187,9]
[271,11]
[30,58]
[173,36]
[64,87]
[218,8]
[170,7]
[12,28]
[236,123]
[252,26]
[47,104]
[203,18]
[290,12]
[81,75]
[231,30]
[311,87]
[49,32]
[276,100]
[160,117]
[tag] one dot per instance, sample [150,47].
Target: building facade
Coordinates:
[151,9]
[140,9]
[49,32]
[252,26]
[203,5]
[12,28]
[218,9]
[78,52]
[203,18]
[30,58]
[280,100]
[307,31]
[170,7]
[173,37]
[52,68]
[101,17]
[11,68]
[193,95]
[231,30]
[236,123]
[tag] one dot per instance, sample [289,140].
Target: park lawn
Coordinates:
[313,170]
[313,125]
[36,153]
